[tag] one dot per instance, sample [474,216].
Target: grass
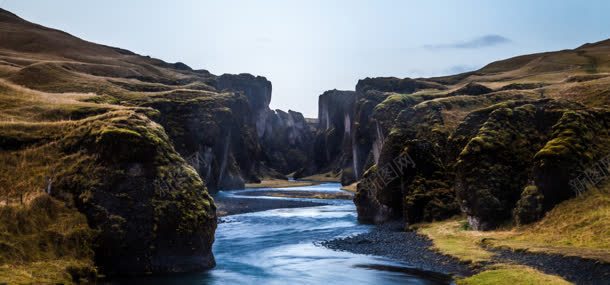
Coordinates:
[350,188]
[451,238]
[577,227]
[279,183]
[44,272]
[44,242]
[504,274]
[324,177]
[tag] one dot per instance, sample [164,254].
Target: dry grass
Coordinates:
[44,242]
[350,188]
[25,174]
[324,177]
[279,183]
[577,227]
[504,274]
[450,238]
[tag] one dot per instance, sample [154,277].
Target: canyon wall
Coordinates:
[333,137]
[481,143]
[134,143]
[287,142]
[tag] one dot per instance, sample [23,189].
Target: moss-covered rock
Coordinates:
[368,207]
[151,209]
[568,163]
[212,131]
[529,207]
[540,143]
[493,167]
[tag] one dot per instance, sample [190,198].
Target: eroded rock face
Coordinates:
[287,141]
[284,138]
[256,89]
[438,131]
[213,133]
[153,212]
[574,157]
[374,119]
[332,146]
[493,167]
[523,158]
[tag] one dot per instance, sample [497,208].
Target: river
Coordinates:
[280,246]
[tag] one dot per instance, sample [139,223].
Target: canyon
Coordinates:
[128,149]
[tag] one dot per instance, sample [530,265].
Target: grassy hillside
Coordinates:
[45,242]
[74,124]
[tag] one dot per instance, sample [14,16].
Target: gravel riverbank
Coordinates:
[390,241]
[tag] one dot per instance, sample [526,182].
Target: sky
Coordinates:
[307,47]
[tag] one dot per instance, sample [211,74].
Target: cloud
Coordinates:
[480,42]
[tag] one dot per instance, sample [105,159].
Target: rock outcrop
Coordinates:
[374,120]
[333,139]
[510,154]
[213,133]
[283,138]
[287,141]
[152,210]
[256,89]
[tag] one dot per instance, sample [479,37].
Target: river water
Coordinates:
[281,247]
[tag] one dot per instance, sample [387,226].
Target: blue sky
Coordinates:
[307,47]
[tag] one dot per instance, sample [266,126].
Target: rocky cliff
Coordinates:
[333,139]
[287,141]
[135,143]
[498,144]
[284,137]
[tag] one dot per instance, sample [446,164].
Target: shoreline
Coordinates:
[280,183]
[240,205]
[321,195]
[390,241]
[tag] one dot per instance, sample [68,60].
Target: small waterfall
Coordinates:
[378,143]
[208,157]
[261,120]
[355,157]
[324,117]
[225,154]
[347,124]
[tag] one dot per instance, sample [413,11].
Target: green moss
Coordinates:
[530,206]
[113,132]
[571,136]
[493,167]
